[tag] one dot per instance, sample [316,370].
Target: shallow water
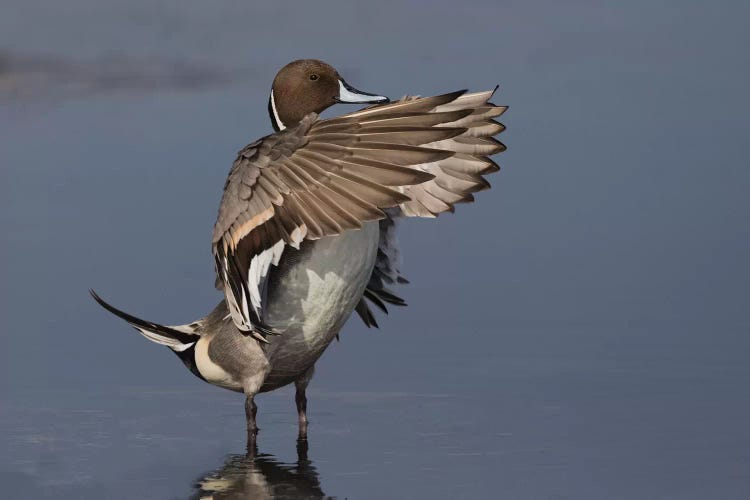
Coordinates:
[579,332]
[613,415]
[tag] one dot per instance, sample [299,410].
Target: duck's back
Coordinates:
[311,294]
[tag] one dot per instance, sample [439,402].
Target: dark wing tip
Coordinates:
[364,312]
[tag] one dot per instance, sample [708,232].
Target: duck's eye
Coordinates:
[313,77]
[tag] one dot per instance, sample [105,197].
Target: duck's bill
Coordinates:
[350,95]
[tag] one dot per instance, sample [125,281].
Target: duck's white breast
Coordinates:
[211,371]
[312,294]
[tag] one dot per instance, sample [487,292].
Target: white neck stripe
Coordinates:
[276,118]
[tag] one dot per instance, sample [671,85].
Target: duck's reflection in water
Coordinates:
[260,476]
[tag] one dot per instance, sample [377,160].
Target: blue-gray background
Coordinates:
[580,332]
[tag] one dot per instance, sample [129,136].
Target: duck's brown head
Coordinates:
[310,86]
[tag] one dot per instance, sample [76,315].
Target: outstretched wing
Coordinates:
[457,177]
[317,179]
[455,180]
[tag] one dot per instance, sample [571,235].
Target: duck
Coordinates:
[306,228]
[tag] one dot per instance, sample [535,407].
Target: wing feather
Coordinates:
[455,180]
[417,156]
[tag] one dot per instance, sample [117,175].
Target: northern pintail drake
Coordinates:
[306,230]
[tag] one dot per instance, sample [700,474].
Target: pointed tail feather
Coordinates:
[176,338]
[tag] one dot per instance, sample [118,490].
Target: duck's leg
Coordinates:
[301,399]
[251,387]
[302,447]
[251,410]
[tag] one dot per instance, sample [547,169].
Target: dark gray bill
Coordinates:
[348,94]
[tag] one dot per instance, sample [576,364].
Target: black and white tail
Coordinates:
[178,338]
